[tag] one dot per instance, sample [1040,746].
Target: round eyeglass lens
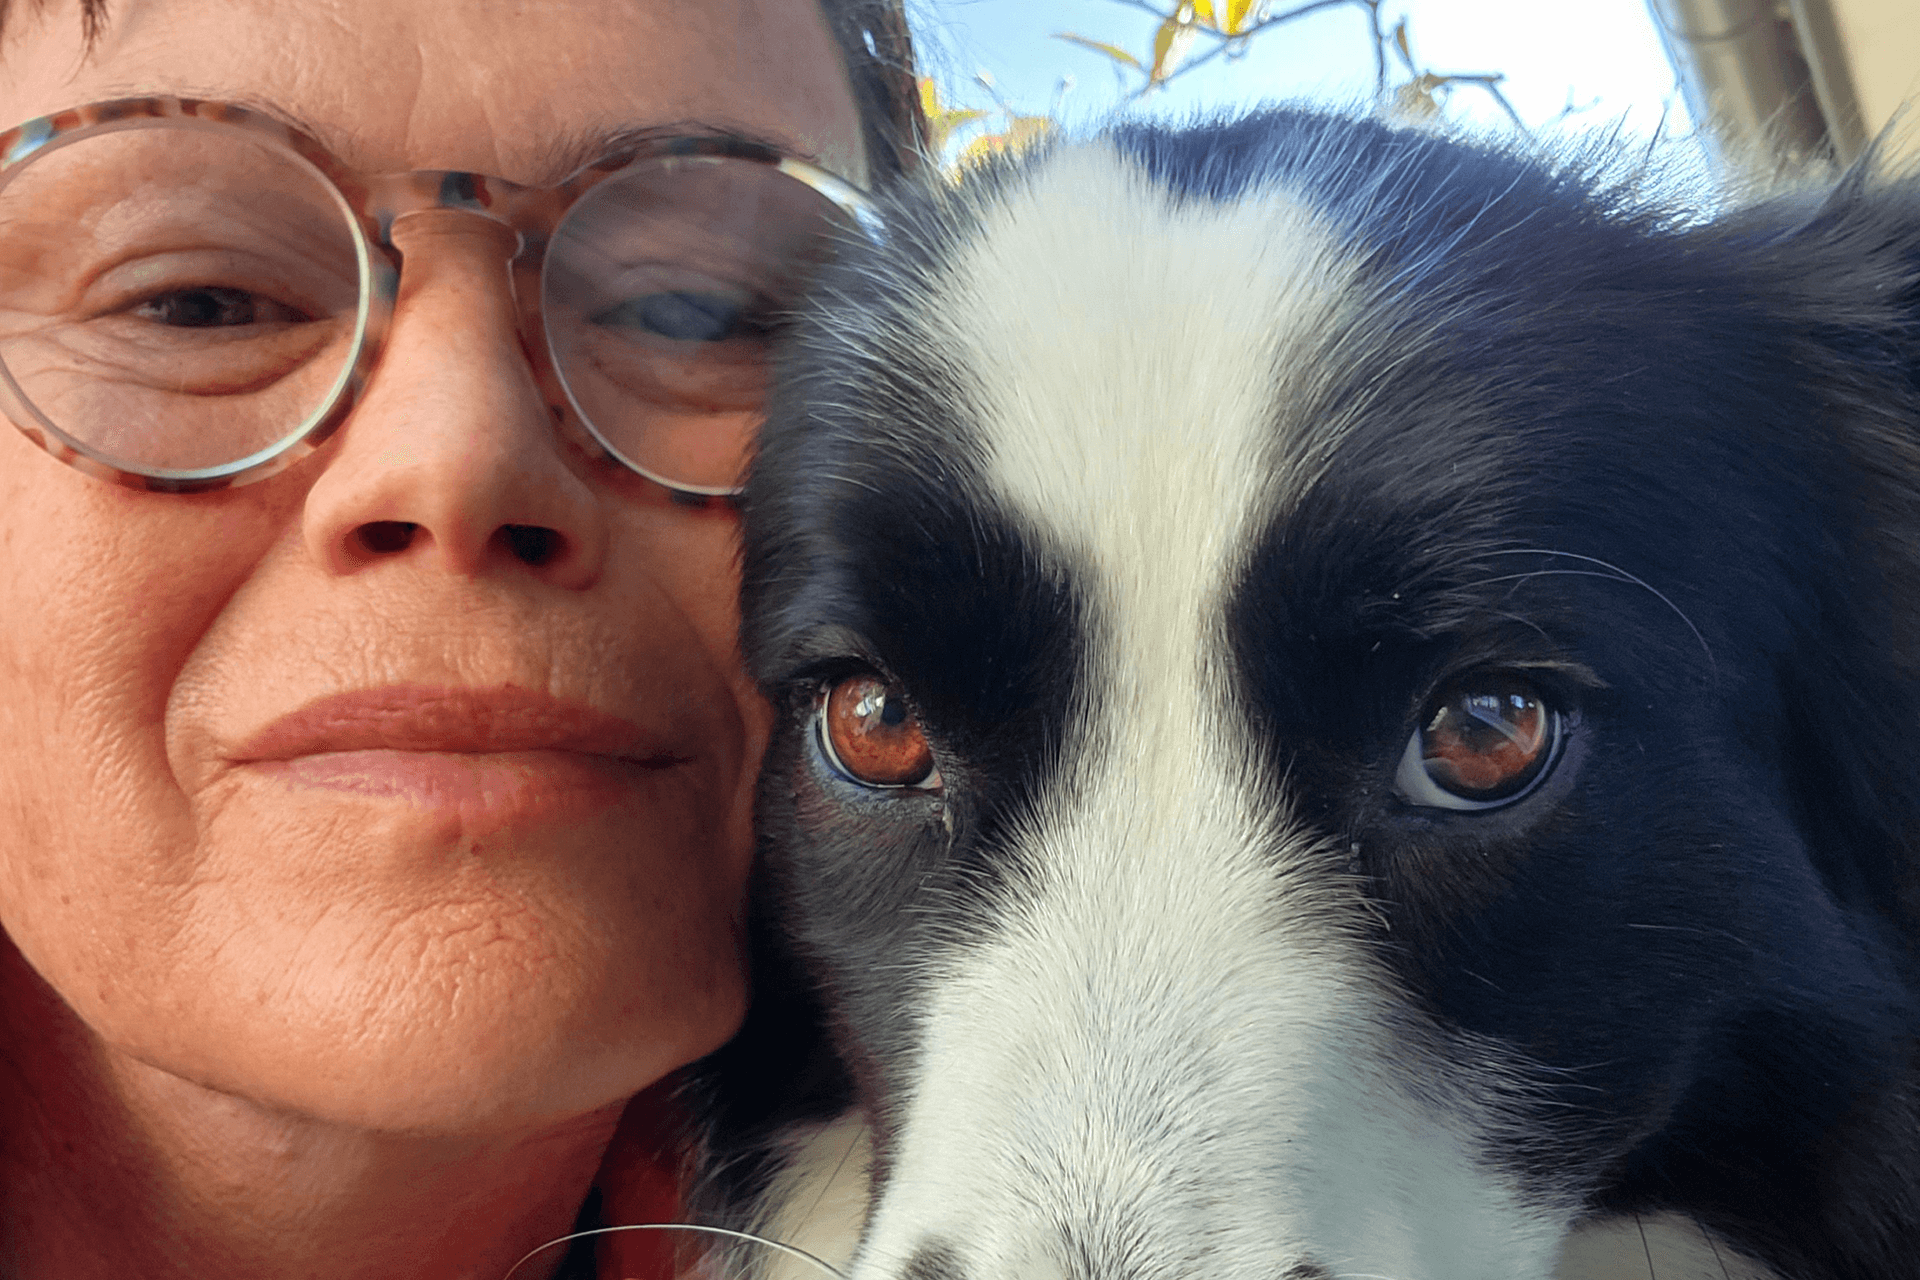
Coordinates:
[177,300]
[674,1251]
[663,290]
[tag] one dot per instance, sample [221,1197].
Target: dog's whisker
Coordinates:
[1624,576]
[1625,580]
[1481,977]
[1702,931]
[1708,1237]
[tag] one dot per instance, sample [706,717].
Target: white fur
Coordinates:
[819,1200]
[1666,1247]
[824,1191]
[1173,1057]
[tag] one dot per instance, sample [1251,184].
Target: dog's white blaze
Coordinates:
[1171,1058]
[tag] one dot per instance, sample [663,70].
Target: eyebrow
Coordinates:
[553,160]
[563,157]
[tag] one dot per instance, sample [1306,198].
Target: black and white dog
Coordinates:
[1350,707]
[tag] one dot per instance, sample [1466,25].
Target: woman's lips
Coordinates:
[427,718]
[500,753]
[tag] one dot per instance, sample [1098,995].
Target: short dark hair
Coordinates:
[874,43]
[93,16]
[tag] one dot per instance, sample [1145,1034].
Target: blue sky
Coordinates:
[1602,55]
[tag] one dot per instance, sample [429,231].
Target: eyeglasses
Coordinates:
[193,294]
[683,1251]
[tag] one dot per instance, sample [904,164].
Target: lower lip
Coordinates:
[501,784]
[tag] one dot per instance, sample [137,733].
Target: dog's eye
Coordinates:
[1486,741]
[869,735]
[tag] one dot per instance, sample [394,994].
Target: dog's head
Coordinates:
[1347,700]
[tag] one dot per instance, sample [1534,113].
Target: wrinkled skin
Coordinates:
[257,1026]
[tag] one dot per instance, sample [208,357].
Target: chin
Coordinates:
[496,1049]
[1384,670]
[414,976]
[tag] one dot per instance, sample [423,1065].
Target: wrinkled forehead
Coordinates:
[524,92]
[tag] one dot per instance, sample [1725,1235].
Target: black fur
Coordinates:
[1670,463]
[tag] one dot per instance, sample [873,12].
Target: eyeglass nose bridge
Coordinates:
[370,208]
[525,218]
[395,198]
[520,221]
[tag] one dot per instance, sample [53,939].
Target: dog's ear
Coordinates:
[1844,272]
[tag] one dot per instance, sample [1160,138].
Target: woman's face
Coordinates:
[409,834]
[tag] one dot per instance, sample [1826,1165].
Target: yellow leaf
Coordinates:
[1238,11]
[942,120]
[943,129]
[1203,13]
[1170,44]
[1113,51]
[1415,99]
[1400,38]
[979,149]
[1022,132]
[1025,131]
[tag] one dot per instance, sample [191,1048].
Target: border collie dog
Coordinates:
[1349,707]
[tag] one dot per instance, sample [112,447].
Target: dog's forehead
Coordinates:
[1324,386]
[1137,353]
[1177,480]
[1146,375]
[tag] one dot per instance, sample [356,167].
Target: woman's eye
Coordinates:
[870,736]
[682,316]
[1485,742]
[214,307]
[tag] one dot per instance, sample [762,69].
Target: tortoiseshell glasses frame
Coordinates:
[369,207]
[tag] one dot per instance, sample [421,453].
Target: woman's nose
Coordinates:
[452,453]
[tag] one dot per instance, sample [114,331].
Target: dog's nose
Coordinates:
[937,1260]
[934,1260]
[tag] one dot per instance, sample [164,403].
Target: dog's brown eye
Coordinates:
[1484,741]
[871,736]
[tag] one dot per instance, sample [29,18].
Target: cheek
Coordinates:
[694,557]
[103,591]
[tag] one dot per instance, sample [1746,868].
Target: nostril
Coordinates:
[532,544]
[382,536]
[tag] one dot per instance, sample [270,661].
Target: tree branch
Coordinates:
[1379,48]
[1225,40]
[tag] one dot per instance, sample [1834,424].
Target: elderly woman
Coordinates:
[374,758]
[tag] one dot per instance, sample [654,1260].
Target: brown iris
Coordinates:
[1487,739]
[872,735]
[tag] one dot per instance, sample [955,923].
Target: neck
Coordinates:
[111,1168]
